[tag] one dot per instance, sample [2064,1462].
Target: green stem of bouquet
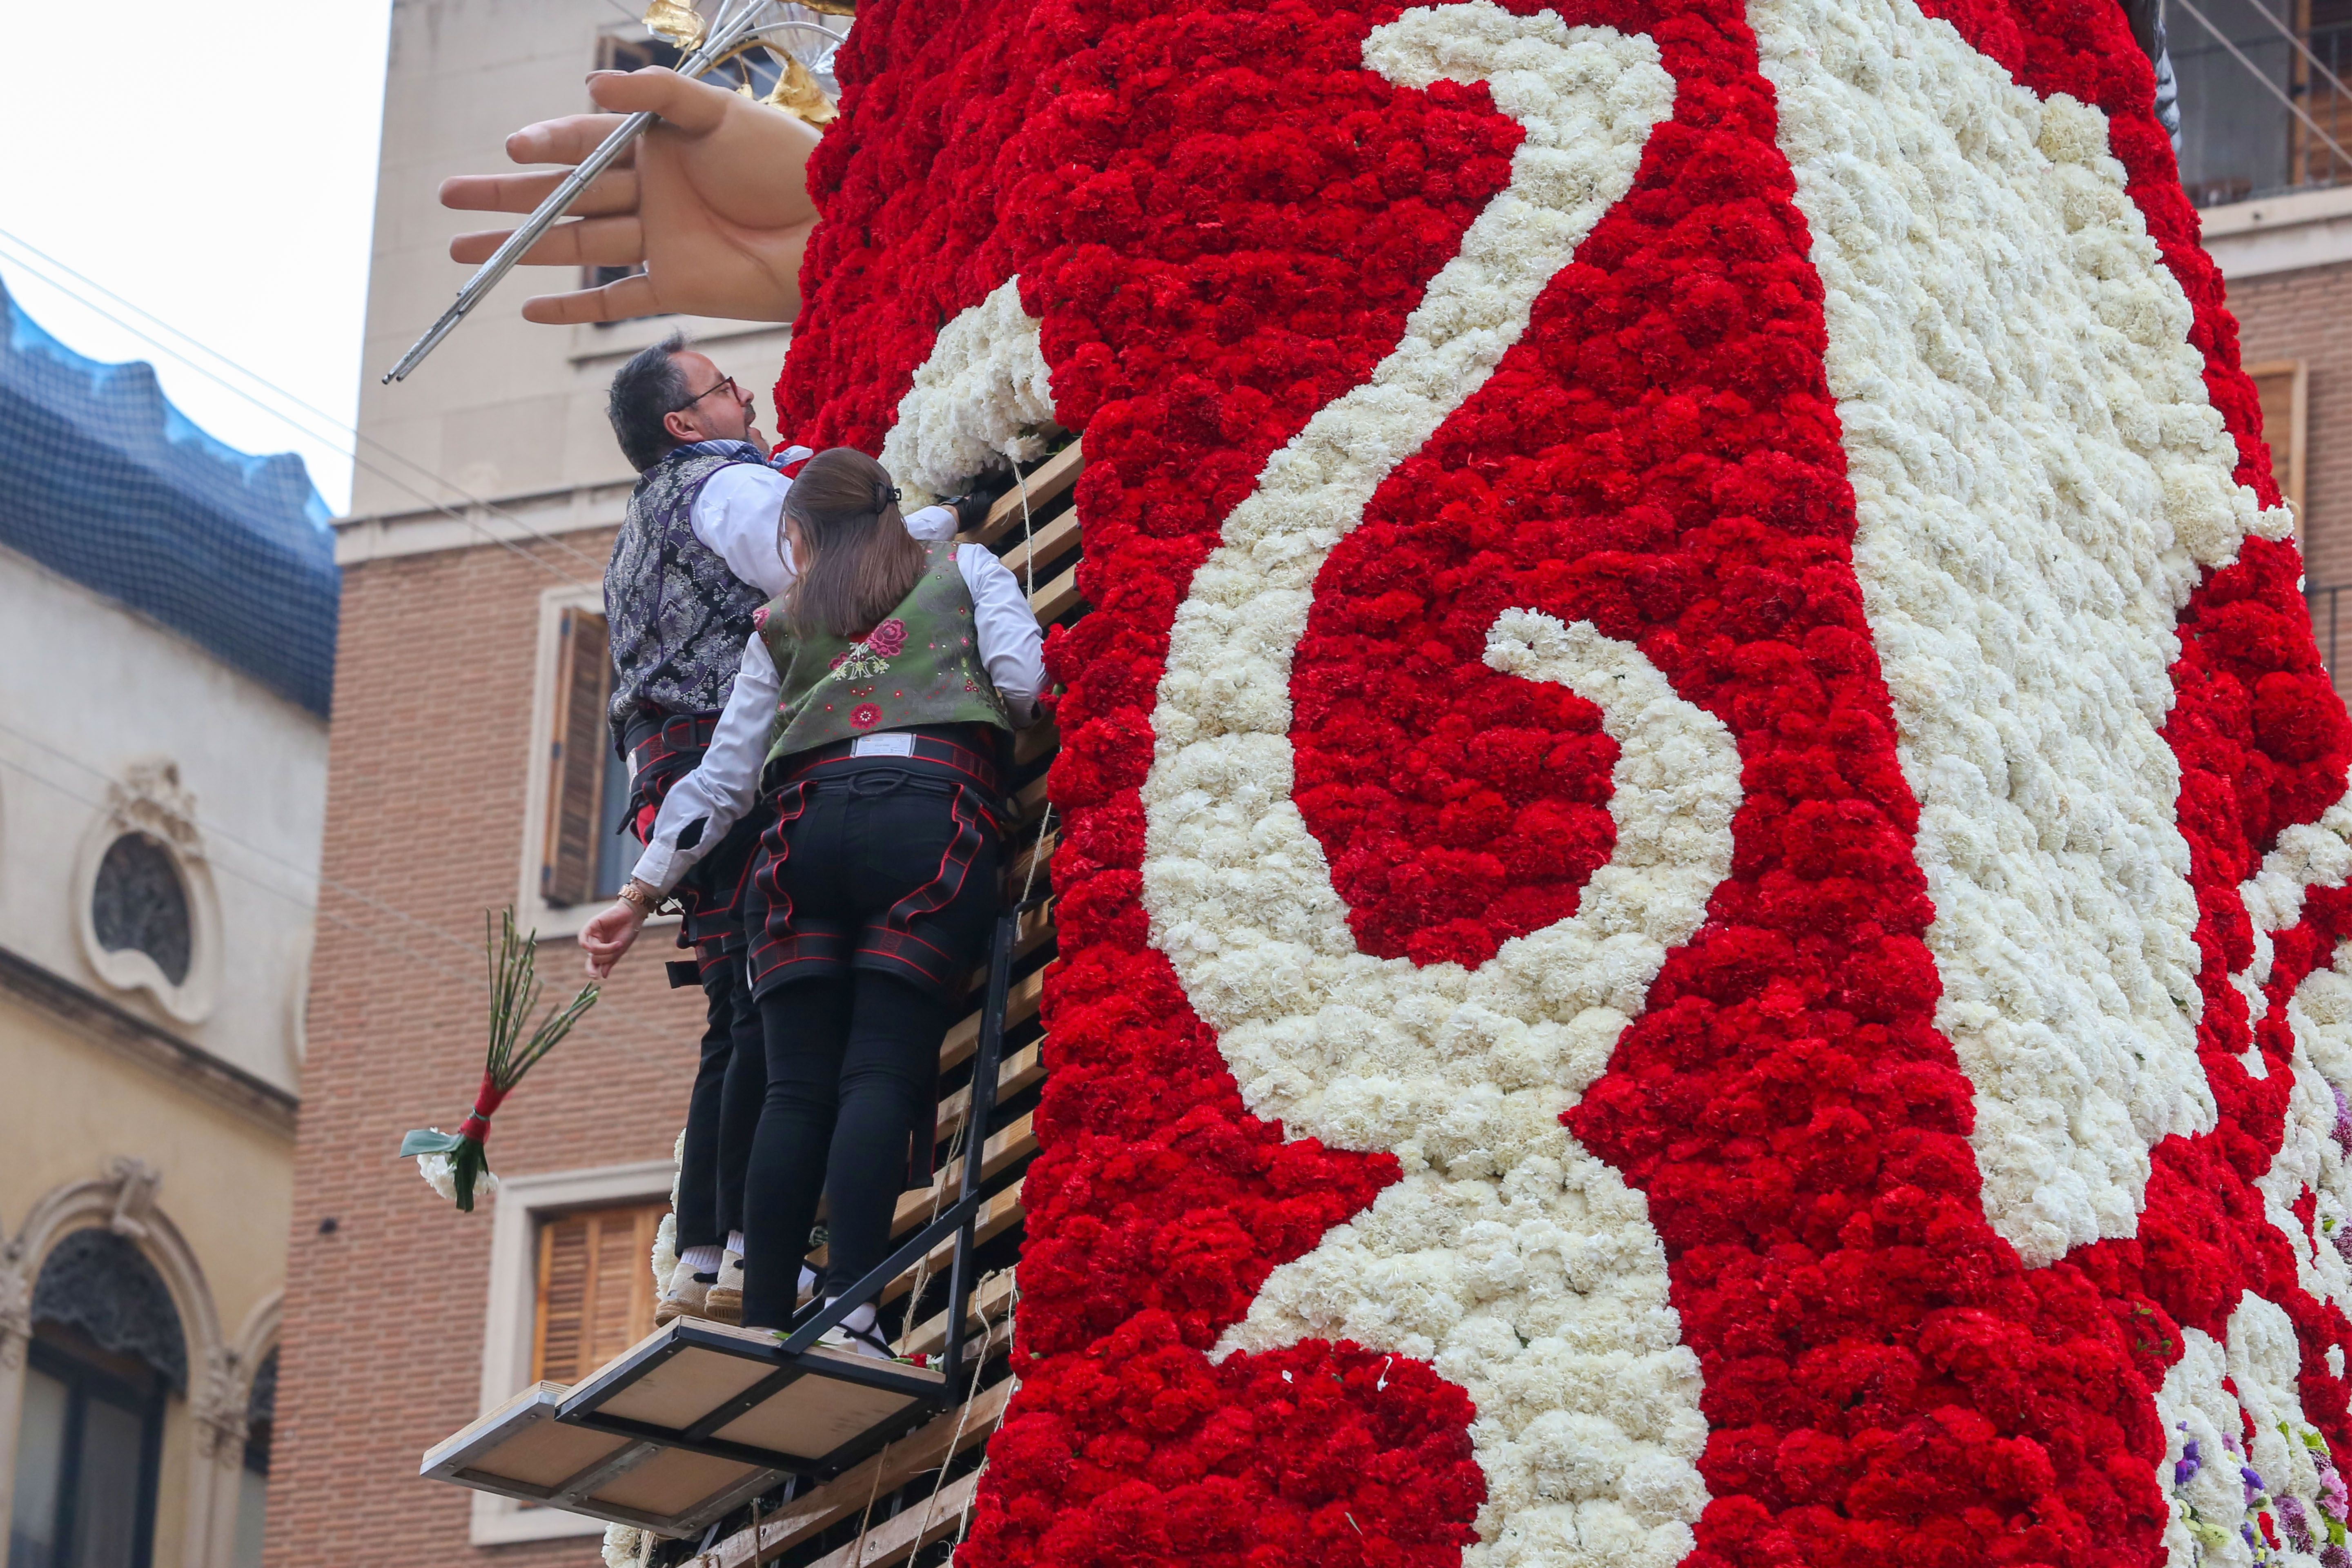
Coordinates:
[514,995]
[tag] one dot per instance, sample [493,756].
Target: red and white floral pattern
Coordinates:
[1953,1133]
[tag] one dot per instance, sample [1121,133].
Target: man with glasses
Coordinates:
[699,550]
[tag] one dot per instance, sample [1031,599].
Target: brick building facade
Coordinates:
[481,519]
[2297,325]
[386,1325]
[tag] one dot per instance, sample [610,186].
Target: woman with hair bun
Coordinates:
[870,706]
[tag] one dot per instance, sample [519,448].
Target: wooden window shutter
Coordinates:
[575,770]
[595,1289]
[2282,385]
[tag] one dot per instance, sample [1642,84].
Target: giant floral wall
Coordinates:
[1705,849]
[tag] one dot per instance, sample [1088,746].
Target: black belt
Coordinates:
[680,732]
[930,746]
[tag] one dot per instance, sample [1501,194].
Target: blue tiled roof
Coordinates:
[103,481]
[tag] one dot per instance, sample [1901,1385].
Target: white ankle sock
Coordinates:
[860,1318]
[700,1259]
[735,1242]
[808,1280]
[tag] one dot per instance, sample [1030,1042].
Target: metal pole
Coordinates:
[729,32]
[975,1138]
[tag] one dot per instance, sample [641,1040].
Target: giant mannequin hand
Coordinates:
[713,200]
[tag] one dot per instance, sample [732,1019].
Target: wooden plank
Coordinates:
[1036,741]
[1020,1072]
[1056,598]
[1044,546]
[1036,929]
[1040,850]
[992,1299]
[1014,1143]
[1020,1006]
[997,1215]
[1046,483]
[926,1448]
[1030,801]
[918,1205]
[899,1537]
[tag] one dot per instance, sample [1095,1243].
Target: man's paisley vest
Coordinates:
[678,619]
[919,666]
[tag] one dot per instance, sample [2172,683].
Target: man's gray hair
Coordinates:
[646,390]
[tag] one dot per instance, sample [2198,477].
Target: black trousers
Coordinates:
[724,1106]
[853,1048]
[724,1110]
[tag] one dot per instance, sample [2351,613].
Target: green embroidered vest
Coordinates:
[919,666]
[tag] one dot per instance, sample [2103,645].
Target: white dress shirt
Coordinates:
[721,788]
[739,512]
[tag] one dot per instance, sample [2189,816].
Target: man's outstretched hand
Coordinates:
[713,199]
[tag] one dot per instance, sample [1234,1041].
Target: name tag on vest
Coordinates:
[897,744]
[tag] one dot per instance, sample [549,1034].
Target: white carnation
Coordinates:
[2039,480]
[984,400]
[441,1174]
[1516,1263]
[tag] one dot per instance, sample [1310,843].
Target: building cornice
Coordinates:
[468,526]
[2280,234]
[183,1061]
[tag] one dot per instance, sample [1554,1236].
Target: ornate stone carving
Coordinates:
[135,1181]
[218,1409]
[151,799]
[16,1307]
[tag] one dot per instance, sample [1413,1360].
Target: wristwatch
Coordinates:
[635,894]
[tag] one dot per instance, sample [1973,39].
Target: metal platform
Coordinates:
[698,1417]
[685,1425]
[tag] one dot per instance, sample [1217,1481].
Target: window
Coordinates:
[87,1448]
[595,1289]
[2240,63]
[2282,385]
[586,857]
[614,53]
[567,1248]
[140,905]
[253,1482]
[107,1349]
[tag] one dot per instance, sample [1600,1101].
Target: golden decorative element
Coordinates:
[797,92]
[832,7]
[679,23]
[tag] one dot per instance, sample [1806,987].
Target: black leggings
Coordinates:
[728,1088]
[853,1074]
[851,1027]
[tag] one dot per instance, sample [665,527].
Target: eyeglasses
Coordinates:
[726,384]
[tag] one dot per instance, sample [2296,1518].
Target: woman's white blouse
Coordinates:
[701,807]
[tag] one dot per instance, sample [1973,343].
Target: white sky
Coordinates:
[218,170]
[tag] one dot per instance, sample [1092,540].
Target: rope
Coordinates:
[963,1517]
[955,1443]
[857,1553]
[1028,553]
[939,1196]
[1037,851]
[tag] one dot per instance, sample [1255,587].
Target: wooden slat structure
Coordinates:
[870,1463]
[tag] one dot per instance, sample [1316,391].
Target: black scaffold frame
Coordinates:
[908,1394]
